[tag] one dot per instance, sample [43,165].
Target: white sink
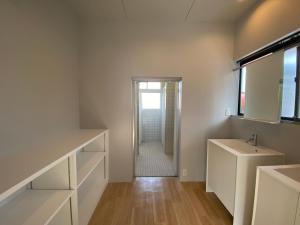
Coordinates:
[293,173]
[286,174]
[239,146]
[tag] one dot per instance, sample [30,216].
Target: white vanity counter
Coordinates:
[287,174]
[241,147]
[231,173]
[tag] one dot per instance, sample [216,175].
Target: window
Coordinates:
[243,89]
[150,100]
[150,85]
[290,105]
[150,95]
[289,83]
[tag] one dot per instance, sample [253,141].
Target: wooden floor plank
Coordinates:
[159,201]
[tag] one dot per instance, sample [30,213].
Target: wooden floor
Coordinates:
[159,201]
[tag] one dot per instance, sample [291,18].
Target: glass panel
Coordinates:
[289,84]
[153,85]
[243,90]
[151,100]
[143,85]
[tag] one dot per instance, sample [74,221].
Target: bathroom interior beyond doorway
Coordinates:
[156,129]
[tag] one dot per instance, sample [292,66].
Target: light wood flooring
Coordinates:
[159,201]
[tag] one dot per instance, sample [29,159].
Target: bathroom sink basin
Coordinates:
[287,174]
[239,146]
[293,173]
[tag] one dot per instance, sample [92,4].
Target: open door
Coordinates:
[156,117]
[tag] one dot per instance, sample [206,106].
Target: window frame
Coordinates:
[147,85]
[290,41]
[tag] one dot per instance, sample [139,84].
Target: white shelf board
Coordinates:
[87,206]
[86,163]
[33,207]
[27,162]
[89,194]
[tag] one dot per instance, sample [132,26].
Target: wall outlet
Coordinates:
[227,112]
[184,172]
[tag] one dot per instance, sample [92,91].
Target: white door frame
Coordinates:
[135,116]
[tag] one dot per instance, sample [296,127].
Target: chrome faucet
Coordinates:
[252,140]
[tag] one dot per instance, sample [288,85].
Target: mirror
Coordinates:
[262,86]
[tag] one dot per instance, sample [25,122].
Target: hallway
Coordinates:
[159,201]
[153,162]
[157,118]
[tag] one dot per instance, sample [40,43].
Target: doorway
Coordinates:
[157,110]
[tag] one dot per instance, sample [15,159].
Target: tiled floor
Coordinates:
[153,162]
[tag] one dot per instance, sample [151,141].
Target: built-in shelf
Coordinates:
[86,163]
[22,169]
[33,207]
[90,192]
[40,184]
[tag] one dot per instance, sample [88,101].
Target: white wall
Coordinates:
[200,53]
[38,71]
[265,23]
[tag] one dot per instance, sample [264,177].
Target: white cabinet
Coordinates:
[222,175]
[59,183]
[231,172]
[276,201]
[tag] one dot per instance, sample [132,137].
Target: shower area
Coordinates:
[157,113]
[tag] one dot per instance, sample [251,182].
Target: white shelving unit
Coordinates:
[86,163]
[89,193]
[34,207]
[55,183]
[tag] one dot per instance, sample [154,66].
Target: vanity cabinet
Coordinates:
[276,199]
[231,173]
[221,178]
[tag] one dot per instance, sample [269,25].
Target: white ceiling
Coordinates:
[163,10]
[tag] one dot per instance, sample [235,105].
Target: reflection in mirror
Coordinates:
[263,78]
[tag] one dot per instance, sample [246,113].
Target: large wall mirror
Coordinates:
[270,84]
[263,88]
